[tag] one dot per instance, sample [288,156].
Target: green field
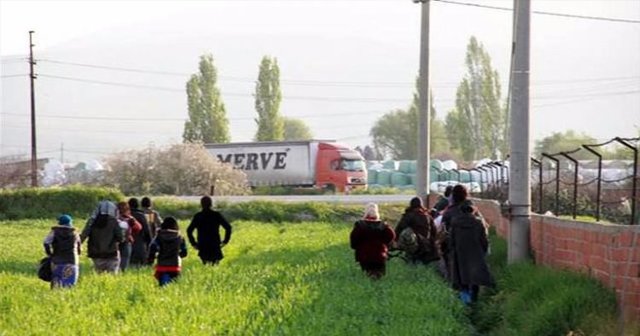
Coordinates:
[276,279]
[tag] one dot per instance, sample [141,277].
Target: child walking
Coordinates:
[170,248]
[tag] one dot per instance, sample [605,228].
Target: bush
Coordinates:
[267,211]
[283,190]
[380,190]
[77,201]
[181,169]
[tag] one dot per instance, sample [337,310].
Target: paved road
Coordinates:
[352,199]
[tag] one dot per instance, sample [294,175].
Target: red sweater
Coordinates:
[370,240]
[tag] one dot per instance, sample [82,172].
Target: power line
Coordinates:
[602,94]
[227,94]
[105,67]
[13,60]
[306,82]
[573,16]
[309,98]
[137,86]
[15,75]
[114,118]
[233,78]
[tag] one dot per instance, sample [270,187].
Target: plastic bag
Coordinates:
[44,270]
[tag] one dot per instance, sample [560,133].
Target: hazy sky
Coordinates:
[585,73]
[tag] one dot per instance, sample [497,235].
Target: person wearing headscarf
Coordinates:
[207,223]
[417,224]
[62,245]
[370,238]
[104,236]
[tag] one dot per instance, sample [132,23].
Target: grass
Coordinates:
[276,279]
[533,300]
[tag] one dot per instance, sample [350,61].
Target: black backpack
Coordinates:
[44,270]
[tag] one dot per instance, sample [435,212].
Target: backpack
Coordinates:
[408,241]
[44,270]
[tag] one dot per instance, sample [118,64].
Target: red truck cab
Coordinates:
[339,168]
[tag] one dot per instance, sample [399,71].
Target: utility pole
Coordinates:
[32,76]
[424,144]
[520,165]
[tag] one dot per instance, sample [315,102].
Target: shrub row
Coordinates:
[51,202]
[266,211]
[80,201]
[534,300]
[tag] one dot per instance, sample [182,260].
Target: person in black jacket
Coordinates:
[207,222]
[467,246]
[170,248]
[142,239]
[104,236]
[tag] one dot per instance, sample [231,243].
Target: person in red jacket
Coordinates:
[370,238]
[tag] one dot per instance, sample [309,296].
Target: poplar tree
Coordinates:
[477,126]
[267,102]
[208,121]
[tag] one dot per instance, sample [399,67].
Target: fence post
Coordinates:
[634,183]
[598,193]
[575,180]
[539,184]
[550,157]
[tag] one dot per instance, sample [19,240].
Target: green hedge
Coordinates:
[265,211]
[31,203]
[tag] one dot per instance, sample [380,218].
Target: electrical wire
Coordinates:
[15,75]
[573,16]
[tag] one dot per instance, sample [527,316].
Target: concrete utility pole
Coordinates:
[520,165]
[32,76]
[424,145]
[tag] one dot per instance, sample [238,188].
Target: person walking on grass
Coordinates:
[62,245]
[130,227]
[141,240]
[153,217]
[207,223]
[104,236]
[416,233]
[467,245]
[170,248]
[370,238]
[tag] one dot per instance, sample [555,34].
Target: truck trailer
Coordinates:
[322,164]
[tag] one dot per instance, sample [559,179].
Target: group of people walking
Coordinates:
[124,235]
[453,235]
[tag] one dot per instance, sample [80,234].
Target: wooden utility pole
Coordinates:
[34,152]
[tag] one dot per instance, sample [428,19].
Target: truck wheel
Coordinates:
[329,189]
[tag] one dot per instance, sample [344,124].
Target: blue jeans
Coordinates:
[125,255]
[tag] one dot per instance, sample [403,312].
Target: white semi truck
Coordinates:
[314,163]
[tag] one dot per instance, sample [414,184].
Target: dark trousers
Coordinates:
[166,277]
[374,270]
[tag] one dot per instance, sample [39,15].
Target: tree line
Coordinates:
[477,127]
